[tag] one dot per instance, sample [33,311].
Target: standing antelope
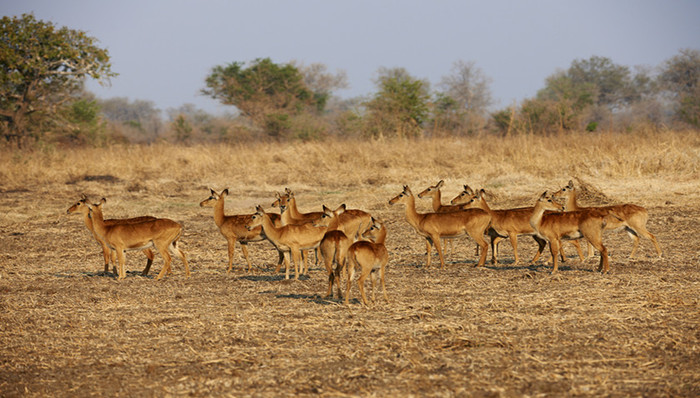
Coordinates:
[335,244]
[506,223]
[233,228]
[570,225]
[292,238]
[371,256]
[433,226]
[348,221]
[294,210]
[333,248]
[109,254]
[434,192]
[160,232]
[633,218]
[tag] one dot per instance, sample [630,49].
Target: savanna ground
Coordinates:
[68,329]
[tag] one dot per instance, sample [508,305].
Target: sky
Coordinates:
[164,49]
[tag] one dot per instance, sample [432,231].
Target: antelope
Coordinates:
[433,192]
[570,225]
[506,223]
[349,221]
[292,238]
[333,249]
[433,226]
[161,233]
[633,218]
[82,207]
[294,211]
[371,256]
[233,228]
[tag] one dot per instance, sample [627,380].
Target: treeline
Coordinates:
[43,99]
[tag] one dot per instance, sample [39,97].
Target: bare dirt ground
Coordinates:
[68,329]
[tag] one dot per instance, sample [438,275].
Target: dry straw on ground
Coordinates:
[67,329]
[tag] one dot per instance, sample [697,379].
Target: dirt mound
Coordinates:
[588,195]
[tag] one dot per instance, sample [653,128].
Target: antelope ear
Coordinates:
[571,183]
[259,209]
[224,192]
[213,192]
[440,184]
[103,201]
[544,195]
[482,192]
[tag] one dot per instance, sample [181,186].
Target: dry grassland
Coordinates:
[68,329]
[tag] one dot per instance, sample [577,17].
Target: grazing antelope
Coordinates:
[371,256]
[433,226]
[633,218]
[570,225]
[233,228]
[292,238]
[160,232]
[110,255]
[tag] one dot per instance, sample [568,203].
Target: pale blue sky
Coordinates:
[163,49]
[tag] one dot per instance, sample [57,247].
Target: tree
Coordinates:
[680,77]
[468,85]
[139,118]
[41,68]
[465,98]
[400,106]
[270,94]
[613,83]
[591,91]
[320,81]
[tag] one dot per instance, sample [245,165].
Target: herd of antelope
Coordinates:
[347,240]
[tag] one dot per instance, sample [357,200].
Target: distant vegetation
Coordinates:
[43,101]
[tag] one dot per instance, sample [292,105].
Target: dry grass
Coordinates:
[67,329]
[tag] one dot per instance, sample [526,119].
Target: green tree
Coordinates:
[401,105]
[613,83]
[83,124]
[269,94]
[591,91]
[41,68]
